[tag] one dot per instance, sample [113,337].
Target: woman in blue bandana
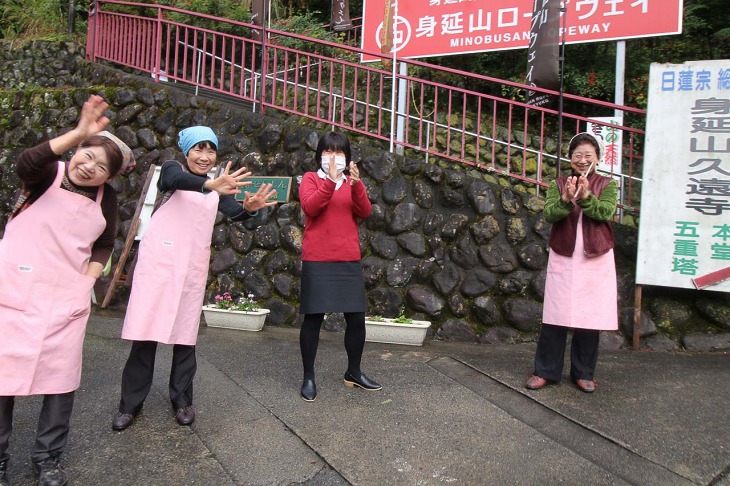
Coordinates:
[169,278]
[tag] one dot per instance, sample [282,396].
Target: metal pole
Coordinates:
[197,71]
[402,100]
[637,316]
[71,17]
[95,15]
[392,90]
[564,11]
[620,76]
[428,139]
[264,57]
[334,110]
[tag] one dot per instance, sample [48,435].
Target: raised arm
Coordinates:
[312,198]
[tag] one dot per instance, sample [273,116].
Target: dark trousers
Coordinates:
[551,352]
[354,341]
[140,367]
[53,426]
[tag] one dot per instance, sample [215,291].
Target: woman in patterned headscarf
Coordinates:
[59,236]
[169,279]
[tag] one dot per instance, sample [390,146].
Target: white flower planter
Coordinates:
[387,331]
[231,319]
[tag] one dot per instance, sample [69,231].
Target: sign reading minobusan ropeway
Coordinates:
[684,232]
[425,28]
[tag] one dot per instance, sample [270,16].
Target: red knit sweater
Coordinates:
[330,228]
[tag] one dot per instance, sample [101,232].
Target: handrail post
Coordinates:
[402,100]
[158,46]
[93,34]
[264,57]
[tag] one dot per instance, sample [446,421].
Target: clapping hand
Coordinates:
[576,187]
[354,174]
[228,183]
[332,168]
[582,192]
[260,198]
[570,189]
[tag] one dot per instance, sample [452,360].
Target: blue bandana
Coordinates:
[192,136]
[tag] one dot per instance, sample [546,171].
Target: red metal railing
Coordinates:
[326,82]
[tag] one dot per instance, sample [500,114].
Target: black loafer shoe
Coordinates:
[122,420]
[309,391]
[50,472]
[185,415]
[361,382]
[4,481]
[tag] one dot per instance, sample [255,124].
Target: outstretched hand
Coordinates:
[260,198]
[92,119]
[228,183]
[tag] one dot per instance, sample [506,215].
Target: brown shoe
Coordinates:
[122,421]
[535,382]
[185,415]
[587,386]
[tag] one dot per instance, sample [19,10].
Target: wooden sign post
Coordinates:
[133,230]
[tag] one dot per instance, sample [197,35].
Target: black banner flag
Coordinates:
[258,16]
[341,15]
[543,51]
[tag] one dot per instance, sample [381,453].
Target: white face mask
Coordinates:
[340,163]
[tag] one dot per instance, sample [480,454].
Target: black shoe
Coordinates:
[122,420]
[4,481]
[362,382]
[50,472]
[185,415]
[309,391]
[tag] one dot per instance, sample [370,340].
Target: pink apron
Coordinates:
[169,280]
[581,292]
[45,295]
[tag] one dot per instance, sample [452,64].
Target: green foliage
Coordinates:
[402,319]
[38,18]
[310,25]
[236,10]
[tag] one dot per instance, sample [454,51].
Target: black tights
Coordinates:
[354,341]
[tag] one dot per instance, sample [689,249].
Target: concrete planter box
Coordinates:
[231,319]
[389,332]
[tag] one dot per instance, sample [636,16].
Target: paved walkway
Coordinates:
[448,414]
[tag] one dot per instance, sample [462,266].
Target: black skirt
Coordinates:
[332,287]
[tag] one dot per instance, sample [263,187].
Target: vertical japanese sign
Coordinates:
[341,15]
[684,233]
[542,52]
[258,14]
[386,33]
[612,138]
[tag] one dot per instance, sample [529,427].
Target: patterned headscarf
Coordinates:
[128,162]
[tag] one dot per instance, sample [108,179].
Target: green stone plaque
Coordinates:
[282,185]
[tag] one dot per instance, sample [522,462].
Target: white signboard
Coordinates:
[684,234]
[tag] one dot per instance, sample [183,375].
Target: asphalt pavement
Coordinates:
[448,413]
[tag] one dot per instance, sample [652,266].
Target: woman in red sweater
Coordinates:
[331,279]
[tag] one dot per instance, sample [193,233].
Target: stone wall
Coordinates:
[444,243]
